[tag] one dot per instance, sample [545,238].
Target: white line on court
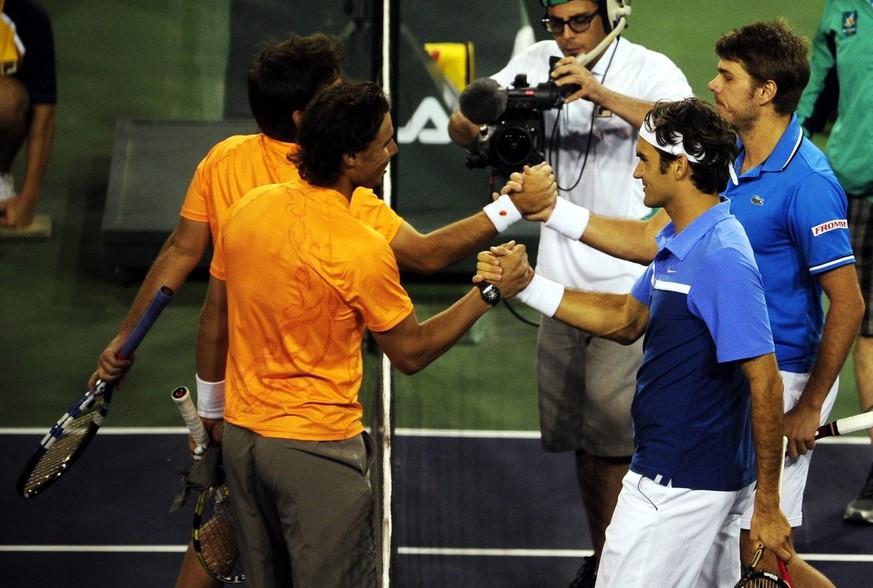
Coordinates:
[579,553]
[402,550]
[854,439]
[95,548]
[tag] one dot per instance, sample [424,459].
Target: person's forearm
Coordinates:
[767,422]
[632,110]
[411,346]
[632,240]
[843,319]
[840,328]
[437,250]
[769,525]
[212,335]
[617,317]
[432,338]
[171,268]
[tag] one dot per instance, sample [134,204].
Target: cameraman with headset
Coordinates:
[586,383]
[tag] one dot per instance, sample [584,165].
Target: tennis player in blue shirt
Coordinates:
[709,393]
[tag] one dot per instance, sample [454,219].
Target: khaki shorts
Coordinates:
[586,386]
[860,221]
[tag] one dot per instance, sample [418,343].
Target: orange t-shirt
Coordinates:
[244,162]
[304,278]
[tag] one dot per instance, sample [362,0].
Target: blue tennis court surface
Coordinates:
[469,511]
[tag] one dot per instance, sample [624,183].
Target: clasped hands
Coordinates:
[533,191]
[507,264]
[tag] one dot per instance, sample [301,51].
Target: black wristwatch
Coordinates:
[490,293]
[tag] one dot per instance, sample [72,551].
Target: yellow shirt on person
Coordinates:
[305,276]
[241,163]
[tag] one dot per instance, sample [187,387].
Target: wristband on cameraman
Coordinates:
[502,213]
[542,294]
[569,219]
[210,399]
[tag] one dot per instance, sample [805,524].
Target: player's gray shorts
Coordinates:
[586,385]
[303,509]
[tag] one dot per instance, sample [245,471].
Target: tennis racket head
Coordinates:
[761,579]
[214,537]
[65,442]
[755,578]
[69,437]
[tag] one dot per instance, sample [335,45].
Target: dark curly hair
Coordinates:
[705,135]
[341,120]
[287,75]
[770,51]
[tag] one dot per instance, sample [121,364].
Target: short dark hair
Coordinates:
[341,120]
[287,75]
[770,51]
[705,135]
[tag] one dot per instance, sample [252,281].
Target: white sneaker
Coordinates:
[7,187]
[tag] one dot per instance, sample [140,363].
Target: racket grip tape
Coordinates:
[182,397]
[852,424]
[846,425]
[162,297]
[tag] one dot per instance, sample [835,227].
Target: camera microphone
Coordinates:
[483,101]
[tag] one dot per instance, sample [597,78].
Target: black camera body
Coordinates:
[517,138]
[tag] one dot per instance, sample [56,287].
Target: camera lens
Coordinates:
[513,146]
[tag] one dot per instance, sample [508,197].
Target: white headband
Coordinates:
[674,149]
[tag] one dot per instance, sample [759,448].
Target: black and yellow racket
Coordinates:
[213,535]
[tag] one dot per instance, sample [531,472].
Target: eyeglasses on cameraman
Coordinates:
[578,24]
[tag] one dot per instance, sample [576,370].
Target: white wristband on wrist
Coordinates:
[503,213]
[210,399]
[542,294]
[569,219]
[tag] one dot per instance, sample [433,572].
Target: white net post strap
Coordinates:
[386,388]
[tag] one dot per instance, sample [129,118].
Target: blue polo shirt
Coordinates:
[794,212]
[691,412]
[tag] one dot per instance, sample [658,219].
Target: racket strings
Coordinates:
[62,450]
[223,510]
[215,537]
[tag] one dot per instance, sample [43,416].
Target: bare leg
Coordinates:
[14,105]
[864,374]
[193,575]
